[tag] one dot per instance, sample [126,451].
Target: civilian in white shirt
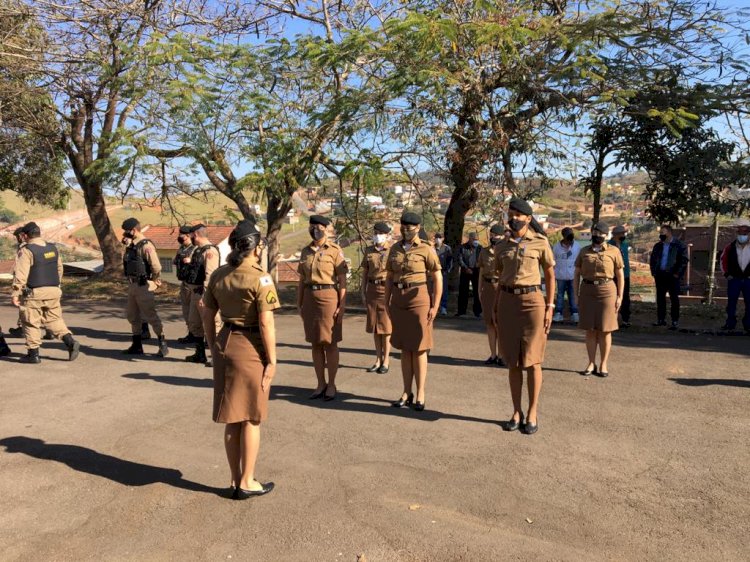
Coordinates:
[735,264]
[566,251]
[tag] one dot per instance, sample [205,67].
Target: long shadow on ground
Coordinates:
[739,383]
[118,470]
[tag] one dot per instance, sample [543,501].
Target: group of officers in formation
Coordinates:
[229,309]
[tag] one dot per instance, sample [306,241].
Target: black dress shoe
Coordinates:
[316,395]
[247,494]
[589,372]
[16,332]
[491,361]
[383,370]
[660,323]
[499,361]
[401,402]
[602,374]
[531,428]
[419,406]
[329,397]
[373,369]
[513,425]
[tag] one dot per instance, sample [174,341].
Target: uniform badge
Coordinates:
[271,298]
[265,281]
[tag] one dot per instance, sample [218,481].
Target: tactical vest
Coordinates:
[136,266]
[43,272]
[196,274]
[183,268]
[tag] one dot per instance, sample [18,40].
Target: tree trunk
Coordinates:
[109,244]
[711,277]
[596,188]
[278,207]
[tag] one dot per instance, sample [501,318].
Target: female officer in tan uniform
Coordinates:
[411,262]
[523,315]
[488,282]
[321,301]
[601,268]
[244,353]
[374,275]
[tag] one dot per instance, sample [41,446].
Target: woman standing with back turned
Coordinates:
[244,353]
[523,315]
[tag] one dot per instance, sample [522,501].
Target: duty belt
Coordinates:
[377,281]
[491,279]
[597,281]
[521,290]
[410,285]
[314,287]
[236,328]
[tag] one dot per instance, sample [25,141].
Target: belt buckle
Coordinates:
[516,291]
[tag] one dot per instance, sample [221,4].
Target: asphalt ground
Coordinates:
[116,458]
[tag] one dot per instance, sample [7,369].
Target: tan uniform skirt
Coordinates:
[487,298]
[238,371]
[596,307]
[409,309]
[318,308]
[378,321]
[520,328]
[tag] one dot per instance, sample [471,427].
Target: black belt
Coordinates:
[410,285]
[255,329]
[597,281]
[313,287]
[521,290]
[491,279]
[377,281]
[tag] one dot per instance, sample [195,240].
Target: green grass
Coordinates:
[27,211]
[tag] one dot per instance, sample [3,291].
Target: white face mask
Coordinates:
[379,239]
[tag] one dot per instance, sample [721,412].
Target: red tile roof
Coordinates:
[286,272]
[6,266]
[165,237]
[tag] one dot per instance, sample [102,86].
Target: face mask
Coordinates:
[570,238]
[495,239]
[408,235]
[317,234]
[597,240]
[663,237]
[475,243]
[438,242]
[742,238]
[516,225]
[379,239]
[182,240]
[129,235]
[623,237]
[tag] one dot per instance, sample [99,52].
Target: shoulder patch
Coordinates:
[271,297]
[266,281]
[341,254]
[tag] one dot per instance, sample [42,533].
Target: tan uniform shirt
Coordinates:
[149,255]
[412,265]
[600,265]
[241,293]
[517,263]
[376,262]
[210,261]
[24,262]
[322,266]
[486,263]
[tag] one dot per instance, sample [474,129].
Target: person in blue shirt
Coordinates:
[620,240]
[668,263]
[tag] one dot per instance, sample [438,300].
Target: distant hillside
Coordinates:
[19,210]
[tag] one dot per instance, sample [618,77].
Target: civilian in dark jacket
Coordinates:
[735,264]
[668,263]
[468,259]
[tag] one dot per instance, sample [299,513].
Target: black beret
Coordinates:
[567,231]
[18,231]
[601,226]
[30,227]
[197,227]
[320,219]
[130,224]
[382,227]
[244,229]
[521,205]
[187,229]
[439,235]
[412,219]
[497,229]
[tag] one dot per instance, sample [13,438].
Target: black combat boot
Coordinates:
[73,346]
[16,332]
[200,353]
[4,349]
[136,348]
[163,349]
[190,338]
[145,333]
[48,335]
[32,356]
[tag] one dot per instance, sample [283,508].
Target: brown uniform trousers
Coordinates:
[185,293]
[42,310]
[142,307]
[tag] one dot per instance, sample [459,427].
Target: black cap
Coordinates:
[245,229]
[521,205]
[497,229]
[439,235]
[601,226]
[197,227]
[567,231]
[130,224]
[18,231]
[187,229]
[382,227]
[320,219]
[30,227]
[412,219]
